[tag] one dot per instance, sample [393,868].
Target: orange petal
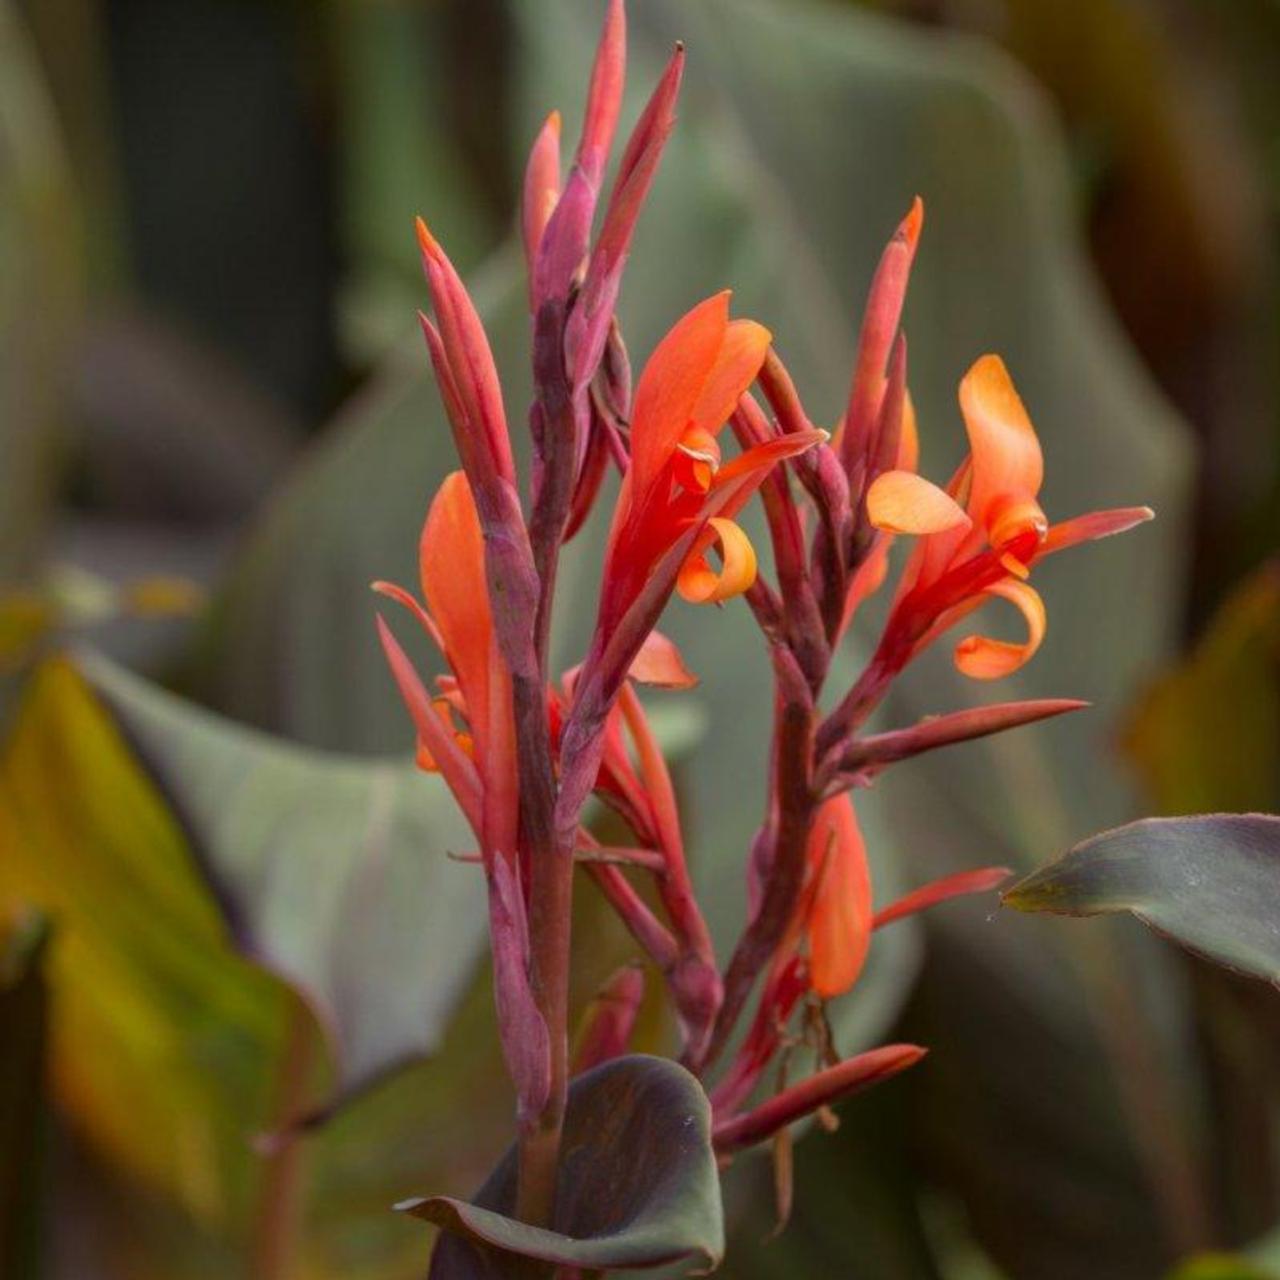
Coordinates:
[840,918]
[670,386]
[903,502]
[660,663]
[741,354]
[699,583]
[1006,454]
[984,659]
[451,561]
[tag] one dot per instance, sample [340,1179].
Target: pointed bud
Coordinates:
[879,327]
[591,318]
[541,191]
[610,1018]
[471,389]
[875,752]
[821,1090]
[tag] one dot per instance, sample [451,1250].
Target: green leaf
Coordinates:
[161,1038]
[38,295]
[331,870]
[23,1028]
[1211,883]
[638,1185]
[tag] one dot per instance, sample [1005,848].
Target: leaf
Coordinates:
[638,1185]
[1211,883]
[165,1057]
[23,1022]
[160,1039]
[39,296]
[331,871]
[1207,735]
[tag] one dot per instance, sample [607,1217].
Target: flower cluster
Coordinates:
[524,749]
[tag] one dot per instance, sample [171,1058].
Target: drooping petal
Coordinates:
[1007,461]
[981,658]
[699,583]
[903,502]
[670,387]
[741,354]
[660,663]
[840,917]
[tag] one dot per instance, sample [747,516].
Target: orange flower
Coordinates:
[686,394]
[478,763]
[980,535]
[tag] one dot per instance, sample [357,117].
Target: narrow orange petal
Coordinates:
[670,386]
[1097,524]
[983,659]
[903,502]
[699,583]
[660,663]
[840,918]
[1007,461]
[909,444]
[741,354]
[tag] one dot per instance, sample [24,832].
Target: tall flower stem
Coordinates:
[276,1230]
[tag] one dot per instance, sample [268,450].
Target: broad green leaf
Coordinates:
[1207,735]
[23,1022]
[331,871]
[1221,1266]
[638,1185]
[161,1039]
[1211,883]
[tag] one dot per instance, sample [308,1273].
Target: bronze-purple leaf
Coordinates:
[1210,882]
[637,1187]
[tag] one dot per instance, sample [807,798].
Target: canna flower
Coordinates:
[676,483]
[980,536]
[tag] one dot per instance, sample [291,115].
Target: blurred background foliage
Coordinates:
[218,426]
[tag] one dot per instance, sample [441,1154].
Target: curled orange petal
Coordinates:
[983,659]
[699,583]
[697,459]
[903,502]
[1006,454]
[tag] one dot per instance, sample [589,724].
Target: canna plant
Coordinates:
[616,1155]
